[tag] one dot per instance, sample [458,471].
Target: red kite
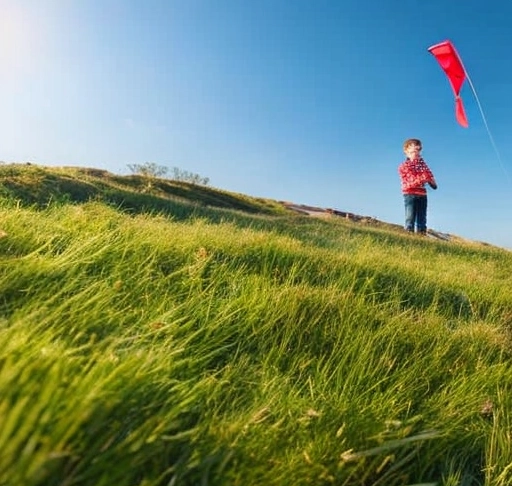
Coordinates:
[451,64]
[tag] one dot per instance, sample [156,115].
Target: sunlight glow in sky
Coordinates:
[15,40]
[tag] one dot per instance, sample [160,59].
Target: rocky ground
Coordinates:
[328,213]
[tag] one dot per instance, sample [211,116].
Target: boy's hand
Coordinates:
[433,185]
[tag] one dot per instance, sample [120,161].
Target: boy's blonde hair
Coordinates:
[412,141]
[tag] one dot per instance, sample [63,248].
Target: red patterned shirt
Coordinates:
[414,174]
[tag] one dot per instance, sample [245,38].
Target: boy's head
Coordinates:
[412,148]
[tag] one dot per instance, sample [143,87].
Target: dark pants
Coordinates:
[415,213]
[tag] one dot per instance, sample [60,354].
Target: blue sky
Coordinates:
[297,100]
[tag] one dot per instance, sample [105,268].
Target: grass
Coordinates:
[226,347]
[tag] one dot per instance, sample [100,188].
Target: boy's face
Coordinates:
[412,151]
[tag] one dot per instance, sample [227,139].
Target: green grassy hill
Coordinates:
[40,186]
[160,333]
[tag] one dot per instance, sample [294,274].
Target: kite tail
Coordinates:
[491,138]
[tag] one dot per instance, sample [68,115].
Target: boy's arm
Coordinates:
[431,181]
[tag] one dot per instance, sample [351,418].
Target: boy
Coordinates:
[414,174]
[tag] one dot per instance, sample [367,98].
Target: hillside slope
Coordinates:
[31,184]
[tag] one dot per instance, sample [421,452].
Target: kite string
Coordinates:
[491,138]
